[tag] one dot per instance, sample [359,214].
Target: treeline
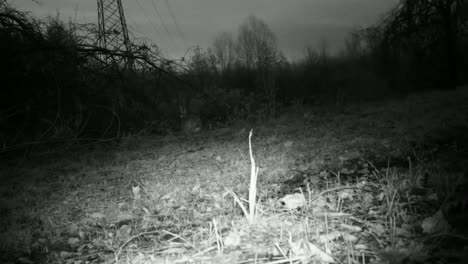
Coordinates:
[60,87]
[417,45]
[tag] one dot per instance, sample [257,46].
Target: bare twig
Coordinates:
[253,183]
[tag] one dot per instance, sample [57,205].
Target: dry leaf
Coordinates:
[361,247]
[367,199]
[99,243]
[433,197]
[84,247]
[168,196]
[136,192]
[349,238]
[229,258]
[390,256]
[196,214]
[351,228]
[324,174]
[364,171]
[329,237]
[140,258]
[293,201]
[175,251]
[403,231]
[338,214]
[346,194]
[377,229]
[72,228]
[66,254]
[381,196]
[288,144]
[320,203]
[125,216]
[124,231]
[304,249]
[196,188]
[232,240]
[347,171]
[322,256]
[73,241]
[361,184]
[297,249]
[97,215]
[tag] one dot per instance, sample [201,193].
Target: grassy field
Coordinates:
[385,182]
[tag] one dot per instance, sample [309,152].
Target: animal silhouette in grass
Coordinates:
[190,123]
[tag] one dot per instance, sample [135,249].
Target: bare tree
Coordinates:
[257,45]
[257,48]
[353,44]
[202,68]
[224,51]
[418,26]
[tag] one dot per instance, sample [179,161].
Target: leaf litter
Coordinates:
[373,184]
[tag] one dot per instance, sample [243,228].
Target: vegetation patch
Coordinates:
[344,187]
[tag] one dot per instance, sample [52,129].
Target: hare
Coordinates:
[189,123]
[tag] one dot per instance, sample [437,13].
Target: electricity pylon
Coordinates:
[113,33]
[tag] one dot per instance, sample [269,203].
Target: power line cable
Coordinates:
[159,36]
[162,21]
[155,28]
[171,13]
[133,27]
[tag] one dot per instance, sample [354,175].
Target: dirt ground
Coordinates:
[380,180]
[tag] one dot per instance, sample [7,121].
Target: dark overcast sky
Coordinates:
[296,23]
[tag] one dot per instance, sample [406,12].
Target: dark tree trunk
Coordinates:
[451,31]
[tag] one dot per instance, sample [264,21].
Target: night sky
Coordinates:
[177,25]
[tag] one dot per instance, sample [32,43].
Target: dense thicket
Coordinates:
[58,87]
